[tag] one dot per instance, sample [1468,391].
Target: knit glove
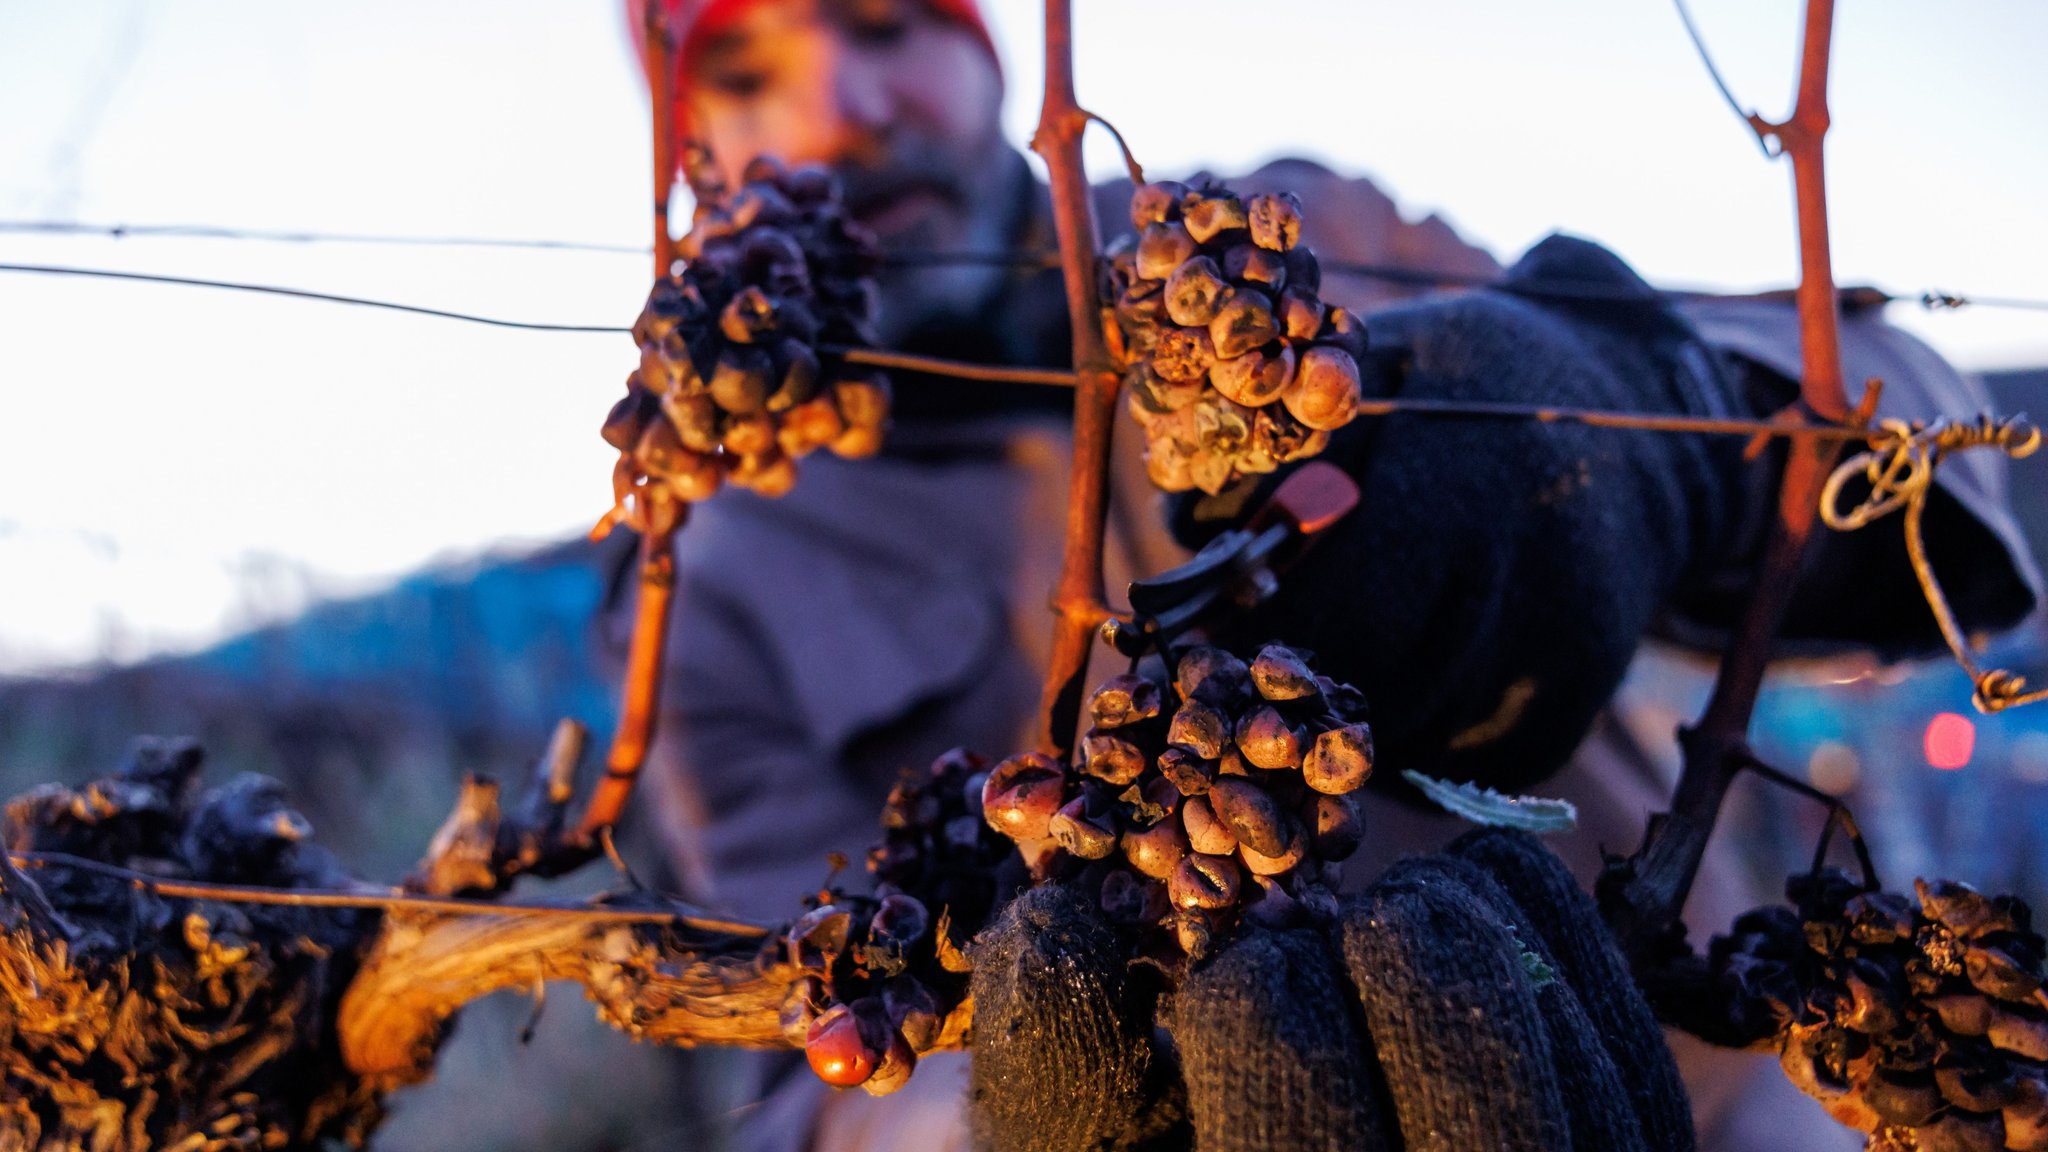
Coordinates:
[1492,586]
[1470,1001]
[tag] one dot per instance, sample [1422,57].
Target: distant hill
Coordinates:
[370,708]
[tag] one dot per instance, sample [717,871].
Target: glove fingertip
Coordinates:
[1568,921]
[1452,1014]
[1062,1044]
[1270,1019]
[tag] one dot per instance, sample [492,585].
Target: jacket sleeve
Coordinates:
[1859,591]
[751,802]
[821,644]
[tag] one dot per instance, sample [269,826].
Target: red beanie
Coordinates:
[691,22]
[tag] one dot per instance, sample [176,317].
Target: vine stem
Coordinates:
[655,594]
[661,81]
[1077,602]
[1656,881]
[642,690]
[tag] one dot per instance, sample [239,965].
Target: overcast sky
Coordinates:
[175,463]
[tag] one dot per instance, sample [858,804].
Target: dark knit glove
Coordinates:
[1063,1048]
[1439,1011]
[1492,586]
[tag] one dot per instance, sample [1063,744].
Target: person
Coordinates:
[892,608]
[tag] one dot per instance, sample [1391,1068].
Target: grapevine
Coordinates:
[1187,799]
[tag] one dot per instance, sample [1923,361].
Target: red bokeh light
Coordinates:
[1950,740]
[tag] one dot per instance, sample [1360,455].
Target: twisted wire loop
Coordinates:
[1899,467]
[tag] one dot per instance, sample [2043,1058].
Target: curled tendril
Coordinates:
[1899,467]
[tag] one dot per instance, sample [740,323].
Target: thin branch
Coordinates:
[1402,406]
[1078,602]
[1056,378]
[1803,136]
[661,514]
[1600,418]
[1022,258]
[1646,894]
[1757,124]
[661,81]
[933,366]
[1132,168]
[644,659]
[387,900]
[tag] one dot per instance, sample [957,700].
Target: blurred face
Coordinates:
[903,103]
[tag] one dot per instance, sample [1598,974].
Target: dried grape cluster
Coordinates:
[1923,1022]
[731,386]
[881,975]
[1234,365]
[1235,800]
[140,1019]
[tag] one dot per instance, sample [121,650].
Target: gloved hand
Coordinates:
[1470,1001]
[1492,586]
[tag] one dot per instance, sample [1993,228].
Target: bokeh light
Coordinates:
[1949,741]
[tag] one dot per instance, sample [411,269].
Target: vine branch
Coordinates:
[1078,603]
[661,514]
[644,658]
[1651,887]
[661,80]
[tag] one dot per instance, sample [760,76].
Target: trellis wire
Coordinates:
[302,294]
[1054,377]
[1932,300]
[304,236]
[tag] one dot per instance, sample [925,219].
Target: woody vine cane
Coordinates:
[660,512]
[1645,894]
[1077,602]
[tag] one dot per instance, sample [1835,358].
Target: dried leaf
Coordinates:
[951,958]
[1486,806]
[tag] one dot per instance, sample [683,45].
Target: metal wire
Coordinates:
[299,236]
[1053,377]
[987,373]
[1021,259]
[302,294]
[1935,301]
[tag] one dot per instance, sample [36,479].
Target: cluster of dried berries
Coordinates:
[936,846]
[1923,1022]
[859,1015]
[881,976]
[1234,365]
[731,385]
[134,1018]
[1234,800]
